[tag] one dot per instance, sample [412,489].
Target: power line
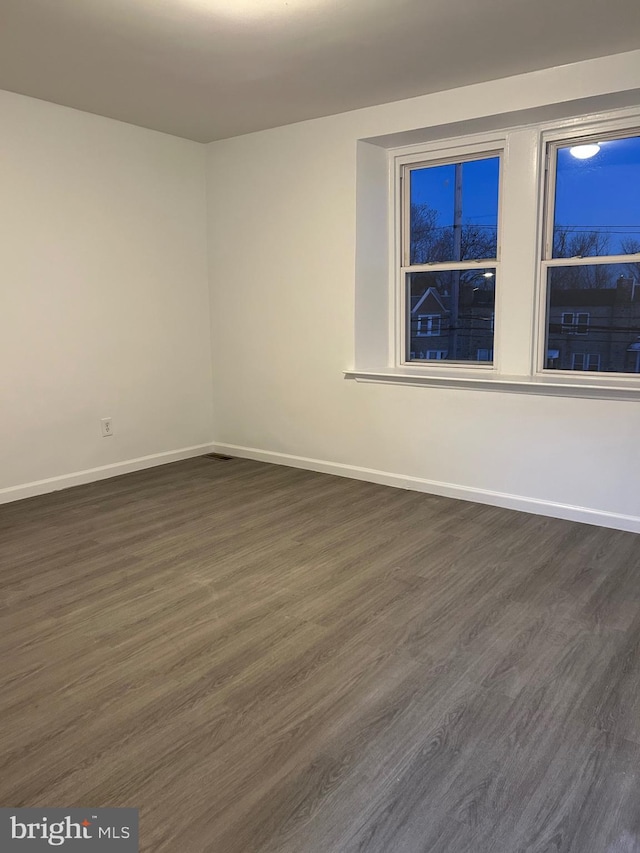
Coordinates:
[586,229]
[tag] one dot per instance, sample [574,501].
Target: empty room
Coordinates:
[319,448]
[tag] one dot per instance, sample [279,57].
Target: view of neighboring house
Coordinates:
[595,329]
[433,334]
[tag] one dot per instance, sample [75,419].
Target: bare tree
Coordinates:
[424,229]
[433,243]
[630,246]
[568,243]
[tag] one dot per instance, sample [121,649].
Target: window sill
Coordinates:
[617,389]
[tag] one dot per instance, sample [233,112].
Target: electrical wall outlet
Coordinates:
[107,427]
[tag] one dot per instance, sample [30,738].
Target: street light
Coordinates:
[584,152]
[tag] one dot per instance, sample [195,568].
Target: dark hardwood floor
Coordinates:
[268,660]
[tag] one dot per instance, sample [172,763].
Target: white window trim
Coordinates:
[474,381]
[441,153]
[608,126]
[520,345]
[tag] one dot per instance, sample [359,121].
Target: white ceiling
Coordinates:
[209,69]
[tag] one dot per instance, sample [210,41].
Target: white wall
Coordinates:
[104,306]
[282,233]
[105,311]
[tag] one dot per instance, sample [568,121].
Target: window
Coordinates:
[450,255]
[575,324]
[484,355]
[633,357]
[428,324]
[585,361]
[429,355]
[512,250]
[590,266]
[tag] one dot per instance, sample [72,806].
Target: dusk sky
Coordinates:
[435,186]
[602,192]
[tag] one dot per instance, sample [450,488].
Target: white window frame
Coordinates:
[436,354]
[520,341]
[488,351]
[551,140]
[478,148]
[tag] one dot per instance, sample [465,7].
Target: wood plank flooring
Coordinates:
[269,660]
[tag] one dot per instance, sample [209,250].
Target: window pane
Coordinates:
[593,318]
[597,203]
[450,315]
[440,230]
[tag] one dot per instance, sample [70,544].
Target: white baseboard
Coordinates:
[78,478]
[586,515]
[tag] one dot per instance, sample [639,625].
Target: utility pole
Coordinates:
[457,256]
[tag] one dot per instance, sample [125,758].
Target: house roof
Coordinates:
[586,298]
[430,303]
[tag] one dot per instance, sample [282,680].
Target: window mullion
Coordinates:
[515,289]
